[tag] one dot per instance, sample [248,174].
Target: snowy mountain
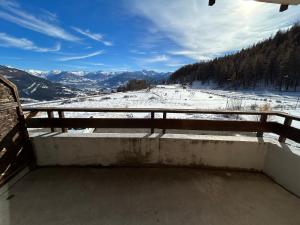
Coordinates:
[38,73]
[37,88]
[43,85]
[122,78]
[99,79]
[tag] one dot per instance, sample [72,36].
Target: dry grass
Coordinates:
[234,104]
[265,107]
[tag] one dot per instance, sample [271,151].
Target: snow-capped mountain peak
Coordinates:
[36,72]
[98,79]
[79,73]
[55,71]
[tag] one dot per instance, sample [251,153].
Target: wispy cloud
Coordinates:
[13,13]
[49,15]
[138,52]
[70,58]
[175,64]
[95,36]
[191,53]
[23,43]
[203,32]
[96,64]
[155,59]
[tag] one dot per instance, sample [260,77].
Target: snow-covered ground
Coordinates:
[178,97]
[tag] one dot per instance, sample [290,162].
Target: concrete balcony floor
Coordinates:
[90,196]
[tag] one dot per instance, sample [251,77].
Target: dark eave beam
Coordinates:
[211,2]
[283,8]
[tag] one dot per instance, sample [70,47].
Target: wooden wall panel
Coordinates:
[15,150]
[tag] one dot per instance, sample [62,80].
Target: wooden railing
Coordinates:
[284,130]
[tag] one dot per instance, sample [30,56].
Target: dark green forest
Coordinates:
[273,63]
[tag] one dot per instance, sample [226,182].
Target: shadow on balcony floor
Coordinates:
[140,196]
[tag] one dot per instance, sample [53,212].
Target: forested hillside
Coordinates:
[274,63]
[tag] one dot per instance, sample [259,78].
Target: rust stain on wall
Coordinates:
[134,155]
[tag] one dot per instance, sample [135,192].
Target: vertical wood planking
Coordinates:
[15,148]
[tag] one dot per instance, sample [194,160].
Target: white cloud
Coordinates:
[97,64]
[49,15]
[69,58]
[95,36]
[203,32]
[23,43]
[191,54]
[165,60]
[94,64]
[176,64]
[155,59]
[13,13]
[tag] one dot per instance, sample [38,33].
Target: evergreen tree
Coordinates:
[274,62]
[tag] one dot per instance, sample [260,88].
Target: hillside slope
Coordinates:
[36,88]
[273,63]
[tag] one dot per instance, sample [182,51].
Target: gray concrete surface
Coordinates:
[283,166]
[113,196]
[172,131]
[144,149]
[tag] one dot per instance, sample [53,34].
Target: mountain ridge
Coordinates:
[101,79]
[55,84]
[37,88]
[273,63]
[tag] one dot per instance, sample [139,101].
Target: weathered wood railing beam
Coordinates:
[61,115]
[263,120]
[287,124]
[283,130]
[50,116]
[161,110]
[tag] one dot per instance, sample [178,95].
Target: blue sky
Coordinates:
[114,35]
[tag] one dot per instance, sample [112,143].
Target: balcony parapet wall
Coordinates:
[141,149]
[122,149]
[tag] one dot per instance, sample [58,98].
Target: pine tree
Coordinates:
[273,62]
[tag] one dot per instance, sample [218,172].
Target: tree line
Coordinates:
[274,62]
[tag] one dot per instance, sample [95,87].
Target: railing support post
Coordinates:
[152,120]
[61,114]
[164,117]
[51,115]
[287,122]
[263,119]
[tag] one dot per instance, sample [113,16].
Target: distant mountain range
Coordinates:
[42,85]
[32,87]
[99,79]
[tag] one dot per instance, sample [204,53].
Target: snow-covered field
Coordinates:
[178,97]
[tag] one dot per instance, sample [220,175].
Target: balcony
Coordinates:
[173,171]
